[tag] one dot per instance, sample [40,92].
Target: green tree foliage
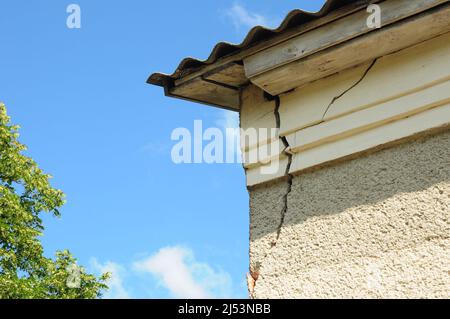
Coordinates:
[25,193]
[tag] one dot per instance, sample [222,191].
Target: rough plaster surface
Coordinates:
[374,227]
[266,205]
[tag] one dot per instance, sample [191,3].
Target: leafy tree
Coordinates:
[26,193]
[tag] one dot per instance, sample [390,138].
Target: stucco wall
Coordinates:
[376,226]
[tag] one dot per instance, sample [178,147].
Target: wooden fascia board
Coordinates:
[328,50]
[311,61]
[209,71]
[294,32]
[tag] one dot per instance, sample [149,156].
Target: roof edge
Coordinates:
[294,18]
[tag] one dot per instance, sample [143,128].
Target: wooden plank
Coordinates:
[232,74]
[333,34]
[265,173]
[199,90]
[357,122]
[399,74]
[357,51]
[307,105]
[425,65]
[286,35]
[260,157]
[422,122]
[257,113]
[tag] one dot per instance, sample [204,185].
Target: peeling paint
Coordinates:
[252,277]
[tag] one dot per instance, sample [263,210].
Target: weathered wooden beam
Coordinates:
[232,74]
[206,92]
[312,56]
[283,36]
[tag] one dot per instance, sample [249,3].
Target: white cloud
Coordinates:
[228,119]
[184,277]
[242,18]
[115,282]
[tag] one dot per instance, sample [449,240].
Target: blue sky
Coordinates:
[90,120]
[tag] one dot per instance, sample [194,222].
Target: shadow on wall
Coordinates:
[357,185]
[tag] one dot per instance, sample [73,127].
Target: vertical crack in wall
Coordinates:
[287,174]
[254,274]
[349,89]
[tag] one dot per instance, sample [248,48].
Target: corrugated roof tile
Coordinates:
[295,18]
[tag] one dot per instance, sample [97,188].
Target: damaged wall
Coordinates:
[360,204]
[376,226]
[376,103]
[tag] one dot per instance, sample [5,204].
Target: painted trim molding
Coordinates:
[310,56]
[379,102]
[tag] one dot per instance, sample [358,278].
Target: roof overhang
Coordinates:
[305,48]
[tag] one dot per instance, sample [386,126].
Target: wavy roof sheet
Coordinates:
[295,18]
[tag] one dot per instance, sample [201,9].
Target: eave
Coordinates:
[316,46]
